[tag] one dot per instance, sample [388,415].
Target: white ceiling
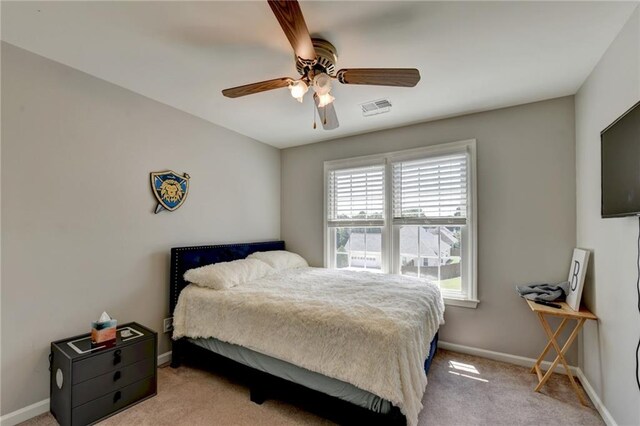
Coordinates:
[472,56]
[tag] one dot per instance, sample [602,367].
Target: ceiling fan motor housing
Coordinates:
[326,58]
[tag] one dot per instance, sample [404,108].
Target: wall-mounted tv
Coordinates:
[620,154]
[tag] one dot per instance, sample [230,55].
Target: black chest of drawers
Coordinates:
[89,384]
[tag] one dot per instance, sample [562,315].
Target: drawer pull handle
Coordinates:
[117,396]
[116,376]
[117,357]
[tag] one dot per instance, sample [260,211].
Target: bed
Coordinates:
[268,359]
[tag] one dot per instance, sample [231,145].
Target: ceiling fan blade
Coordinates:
[402,77]
[292,22]
[327,114]
[263,86]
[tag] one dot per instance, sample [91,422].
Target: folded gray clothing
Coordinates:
[544,292]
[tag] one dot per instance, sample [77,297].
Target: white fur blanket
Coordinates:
[370,330]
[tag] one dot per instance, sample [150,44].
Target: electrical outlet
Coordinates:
[168,325]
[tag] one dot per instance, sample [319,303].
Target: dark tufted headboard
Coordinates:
[185,258]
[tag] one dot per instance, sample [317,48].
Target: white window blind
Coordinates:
[431,190]
[356,196]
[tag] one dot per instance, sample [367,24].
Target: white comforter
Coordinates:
[370,330]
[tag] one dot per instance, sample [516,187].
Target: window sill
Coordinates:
[464,303]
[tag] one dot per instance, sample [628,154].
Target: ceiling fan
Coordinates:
[316,62]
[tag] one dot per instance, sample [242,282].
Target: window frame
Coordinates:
[390,231]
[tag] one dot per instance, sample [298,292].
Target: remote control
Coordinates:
[552,305]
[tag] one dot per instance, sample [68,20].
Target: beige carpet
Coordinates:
[463,390]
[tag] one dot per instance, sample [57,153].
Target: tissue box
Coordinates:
[102,332]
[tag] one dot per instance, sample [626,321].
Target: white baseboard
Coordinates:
[26,413]
[41,407]
[164,358]
[595,399]
[500,356]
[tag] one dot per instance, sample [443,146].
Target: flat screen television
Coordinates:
[620,154]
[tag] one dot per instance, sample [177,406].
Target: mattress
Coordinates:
[293,373]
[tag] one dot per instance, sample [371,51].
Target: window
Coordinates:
[355,217]
[409,212]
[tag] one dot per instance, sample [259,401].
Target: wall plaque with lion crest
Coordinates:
[170,189]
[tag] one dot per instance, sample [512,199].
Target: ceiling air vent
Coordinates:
[375,107]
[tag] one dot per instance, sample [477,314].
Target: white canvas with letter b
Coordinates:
[577,272]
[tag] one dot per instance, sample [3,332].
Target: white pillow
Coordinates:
[280,259]
[220,276]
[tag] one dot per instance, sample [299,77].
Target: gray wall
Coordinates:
[608,347]
[78,232]
[526,209]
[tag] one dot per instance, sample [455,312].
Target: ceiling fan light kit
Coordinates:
[316,62]
[325,100]
[322,84]
[298,89]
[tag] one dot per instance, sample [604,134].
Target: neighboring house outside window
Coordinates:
[409,212]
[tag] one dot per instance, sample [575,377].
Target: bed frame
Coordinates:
[262,386]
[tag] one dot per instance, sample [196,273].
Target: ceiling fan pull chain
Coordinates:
[314,115]
[325,115]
